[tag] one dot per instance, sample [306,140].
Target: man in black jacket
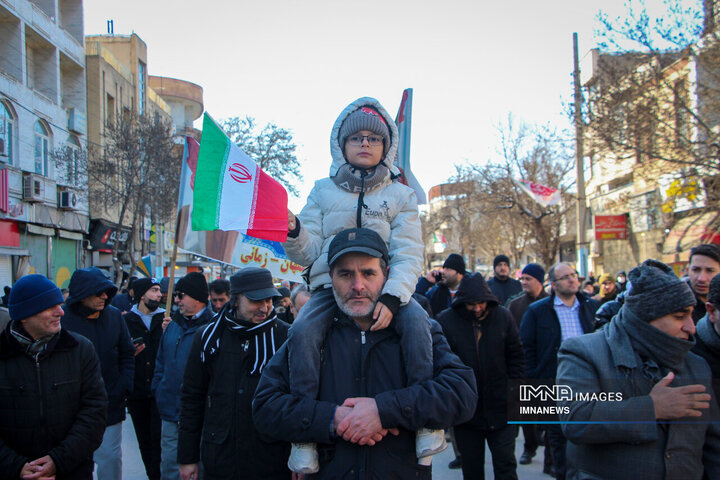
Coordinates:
[566,313]
[531,279]
[366,415]
[89,313]
[52,399]
[440,284]
[502,284]
[144,322]
[223,369]
[484,335]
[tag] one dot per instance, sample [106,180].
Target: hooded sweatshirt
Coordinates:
[390,210]
[490,346]
[108,333]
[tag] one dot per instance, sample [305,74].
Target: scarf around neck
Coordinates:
[652,343]
[32,347]
[259,338]
[350,178]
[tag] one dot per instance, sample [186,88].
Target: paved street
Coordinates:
[133,468]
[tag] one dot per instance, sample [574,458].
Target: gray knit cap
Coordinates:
[364,118]
[657,291]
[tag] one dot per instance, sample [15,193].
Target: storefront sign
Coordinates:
[610,227]
[103,236]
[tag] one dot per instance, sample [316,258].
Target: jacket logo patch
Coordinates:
[383,211]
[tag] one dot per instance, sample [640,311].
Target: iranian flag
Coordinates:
[233,193]
[540,193]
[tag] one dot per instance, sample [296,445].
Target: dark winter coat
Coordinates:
[122,302]
[495,357]
[625,440]
[609,309]
[145,360]
[171,360]
[366,364]
[108,334]
[707,345]
[541,335]
[54,407]
[504,289]
[216,412]
[520,303]
[439,295]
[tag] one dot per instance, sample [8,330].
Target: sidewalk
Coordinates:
[133,468]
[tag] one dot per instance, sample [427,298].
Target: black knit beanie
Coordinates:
[501,258]
[656,291]
[141,286]
[195,285]
[455,262]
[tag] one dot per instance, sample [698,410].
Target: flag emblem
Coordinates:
[240,173]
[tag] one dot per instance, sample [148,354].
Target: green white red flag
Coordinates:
[232,193]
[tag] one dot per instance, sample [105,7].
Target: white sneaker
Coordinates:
[429,442]
[303,458]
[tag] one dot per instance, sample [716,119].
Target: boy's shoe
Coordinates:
[429,442]
[303,458]
[455,464]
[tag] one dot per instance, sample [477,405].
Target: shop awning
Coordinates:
[689,232]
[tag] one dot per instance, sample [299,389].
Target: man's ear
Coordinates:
[712,311]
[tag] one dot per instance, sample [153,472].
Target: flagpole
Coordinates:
[168,303]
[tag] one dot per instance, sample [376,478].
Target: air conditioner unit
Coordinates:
[67,200]
[33,188]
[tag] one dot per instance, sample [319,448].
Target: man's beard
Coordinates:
[152,305]
[356,312]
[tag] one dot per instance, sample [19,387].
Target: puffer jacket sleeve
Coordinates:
[307,246]
[11,462]
[282,416]
[405,248]
[448,399]
[86,433]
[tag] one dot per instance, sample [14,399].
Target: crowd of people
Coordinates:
[360,372]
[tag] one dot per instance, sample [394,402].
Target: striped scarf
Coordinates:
[259,338]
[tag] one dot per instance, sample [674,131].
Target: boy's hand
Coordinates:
[382,315]
[291,221]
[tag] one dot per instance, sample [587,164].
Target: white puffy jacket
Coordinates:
[392,212]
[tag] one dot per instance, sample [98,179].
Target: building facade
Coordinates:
[43,132]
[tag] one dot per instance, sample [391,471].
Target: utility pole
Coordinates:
[581,248]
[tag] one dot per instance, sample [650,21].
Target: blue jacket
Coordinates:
[366,364]
[170,363]
[108,334]
[541,335]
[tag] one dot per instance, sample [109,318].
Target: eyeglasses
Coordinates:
[178,295]
[373,140]
[567,277]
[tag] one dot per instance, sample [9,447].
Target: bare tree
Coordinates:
[485,212]
[654,100]
[271,147]
[133,175]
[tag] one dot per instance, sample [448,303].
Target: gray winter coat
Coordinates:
[644,448]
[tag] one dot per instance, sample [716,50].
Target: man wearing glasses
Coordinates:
[191,297]
[566,313]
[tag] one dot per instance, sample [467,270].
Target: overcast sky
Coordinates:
[298,64]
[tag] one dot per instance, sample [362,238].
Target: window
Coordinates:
[73,157]
[141,88]
[42,147]
[8,131]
